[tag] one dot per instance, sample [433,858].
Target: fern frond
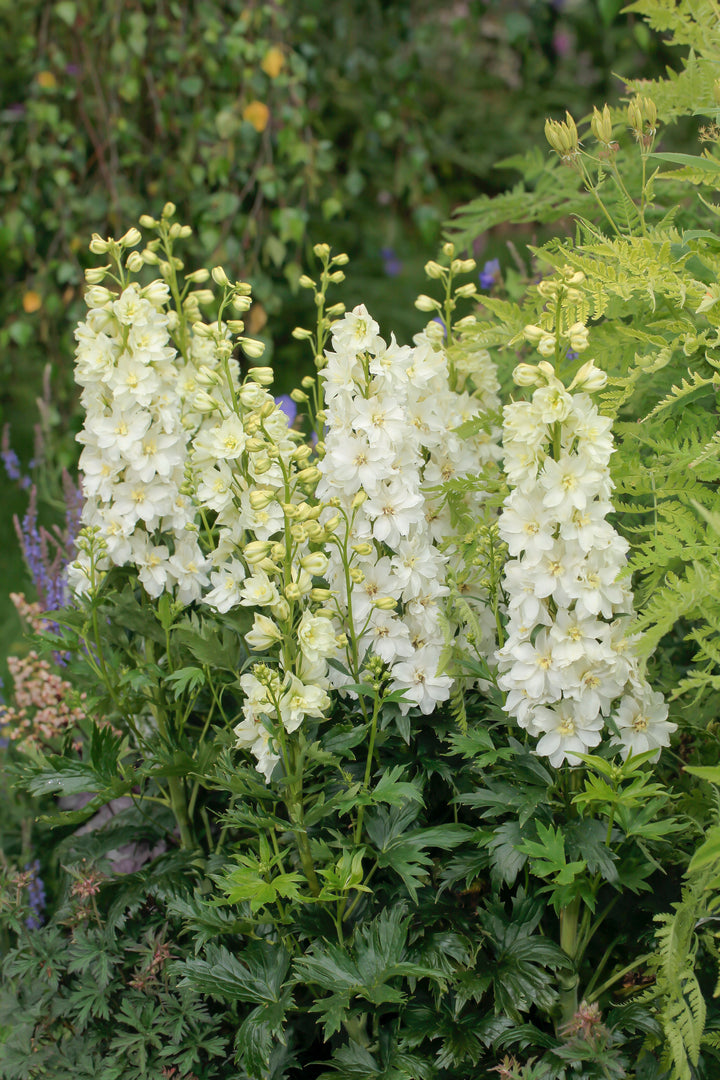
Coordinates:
[678,393]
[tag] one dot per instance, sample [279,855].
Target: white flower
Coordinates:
[419,679]
[642,722]
[259,591]
[264,634]
[300,700]
[226,582]
[316,637]
[569,729]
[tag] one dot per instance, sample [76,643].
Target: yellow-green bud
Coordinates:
[235,326]
[306,282]
[434,270]
[147,221]
[257,550]
[261,498]
[254,445]
[533,333]
[384,603]
[340,260]
[466,291]
[134,262]
[262,375]
[299,396]
[95,275]
[336,310]
[301,334]
[293,592]
[601,125]
[589,378]
[168,209]
[563,138]
[219,276]
[315,563]
[527,375]
[322,251]
[98,246]
[358,499]
[175,230]
[310,475]
[363,550]
[320,596]
[546,345]
[314,531]
[356,574]
[426,303]
[150,257]
[254,349]
[448,249]
[336,277]
[242,303]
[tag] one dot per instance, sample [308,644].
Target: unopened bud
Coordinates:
[358,499]
[219,276]
[293,592]
[466,291]
[310,475]
[147,221]
[321,596]
[363,550]
[242,303]
[306,282]
[426,303]
[434,270]
[340,259]
[256,550]
[589,378]
[262,375]
[527,375]
[356,574]
[546,345]
[132,238]
[335,310]
[301,334]
[253,349]
[322,251]
[299,396]
[134,262]
[98,246]
[315,563]
[578,337]
[533,333]
[384,603]
[448,249]
[94,275]
[261,498]
[168,209]
[601,125]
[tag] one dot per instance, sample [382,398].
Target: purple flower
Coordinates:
[288,406]
[489,273]
[570,355]
[391,264]
[11,461]
[36,897]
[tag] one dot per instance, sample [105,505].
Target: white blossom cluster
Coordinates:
[135,443]
[390,420]
[567,665]
[249,471]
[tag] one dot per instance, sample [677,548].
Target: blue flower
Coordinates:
[489,273]
[391,264]
[288,406]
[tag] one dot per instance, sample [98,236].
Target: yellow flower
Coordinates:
[47,80]
[31,301]
[273,62]
[257,114]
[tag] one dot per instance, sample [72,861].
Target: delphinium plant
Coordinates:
[384,699]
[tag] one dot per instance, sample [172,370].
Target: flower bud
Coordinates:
[219,276]
[277,551]
[434,270]
[335,310]
[322,251]
[254,350]
[337,277]
[448,249]
[301,334]
[98,246]
[358,499]
[261,498]
[546,345]
[262,375]
[147,221]
[281,609]
[168,209]
[563,138]
[306,282]
[310,475]
[292,592]
[242,303]
[235,326]
[298,396]
[578,337]
[601,125]
[341,259]
[202,402]
[527,375]
[426,303]
[363,550]
[356,574]
[98,296]
[589,378]
[533,333]
[134,262]
[256,550]
[95,275]
[315,563]
[466,291]
[321,596]
[385,603]
[150,257]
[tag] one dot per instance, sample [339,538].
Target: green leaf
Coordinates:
[255,976]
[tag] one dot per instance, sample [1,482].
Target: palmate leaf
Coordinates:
[254,976]
[355,1062]
[260,1032]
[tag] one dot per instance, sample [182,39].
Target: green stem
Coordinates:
[568,943]
[618,975]
[368,765]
